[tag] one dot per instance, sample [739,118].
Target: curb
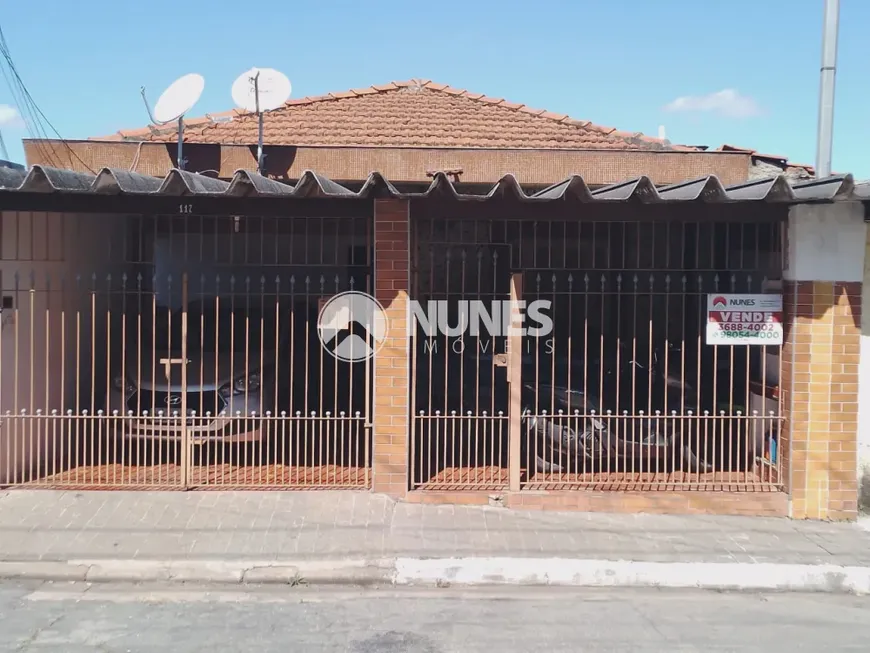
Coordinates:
[342,572]
[626,573]
[445,572]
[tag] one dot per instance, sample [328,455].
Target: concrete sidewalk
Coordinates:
[363,537]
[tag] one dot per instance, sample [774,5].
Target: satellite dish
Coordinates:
[176,100]
[179,98]
[261,89]
[258,90]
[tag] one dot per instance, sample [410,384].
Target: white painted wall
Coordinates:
[826,242]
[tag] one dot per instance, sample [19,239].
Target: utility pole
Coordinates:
[824,140]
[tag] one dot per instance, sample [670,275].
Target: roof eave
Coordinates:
[244,183]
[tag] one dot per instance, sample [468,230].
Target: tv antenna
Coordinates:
[259,90]
[176,100]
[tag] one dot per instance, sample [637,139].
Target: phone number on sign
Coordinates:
[764,335]
[755,327]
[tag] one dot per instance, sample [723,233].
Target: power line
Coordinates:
[31,118]
[30,121]
[34,126]
[36,118]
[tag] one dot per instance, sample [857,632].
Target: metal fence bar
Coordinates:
[181,351]
[625,393]
[515,379]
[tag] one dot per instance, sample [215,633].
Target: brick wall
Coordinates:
[820,378]
[406,164]
[391,369]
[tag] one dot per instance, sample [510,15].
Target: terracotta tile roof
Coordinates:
[415,113]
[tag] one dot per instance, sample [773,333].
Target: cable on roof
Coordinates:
[135,163]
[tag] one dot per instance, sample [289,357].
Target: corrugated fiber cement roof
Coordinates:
[778,189]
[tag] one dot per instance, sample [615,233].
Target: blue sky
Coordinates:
[747,70]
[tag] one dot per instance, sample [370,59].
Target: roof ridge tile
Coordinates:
[412,83]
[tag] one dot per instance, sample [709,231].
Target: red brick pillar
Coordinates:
[392,362]
[820,376]
[821,353]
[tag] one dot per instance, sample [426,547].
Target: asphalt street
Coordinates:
[73,618]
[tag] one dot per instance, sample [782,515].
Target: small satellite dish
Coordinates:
[258,90]
[176,100]
[261,89]
[179,98]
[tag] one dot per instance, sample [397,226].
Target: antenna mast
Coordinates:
[180,156]
[259,90]
[260,123]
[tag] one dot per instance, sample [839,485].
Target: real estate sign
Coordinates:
[744,319]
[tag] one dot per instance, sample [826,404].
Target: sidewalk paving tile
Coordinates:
[56,525]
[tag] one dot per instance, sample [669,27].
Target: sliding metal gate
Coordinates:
[623,392]
[179,352]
